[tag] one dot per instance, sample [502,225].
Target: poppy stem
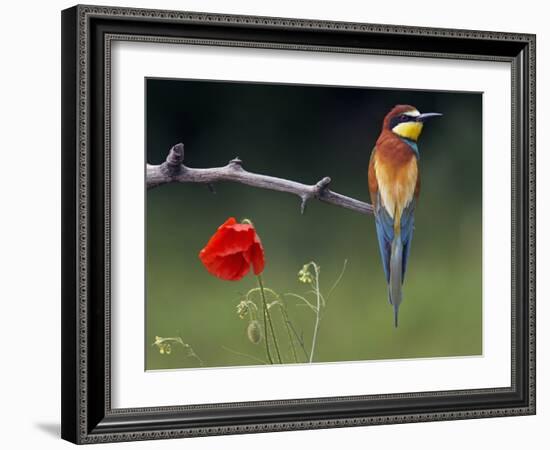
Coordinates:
[267,351]
[266,338]
[267,317]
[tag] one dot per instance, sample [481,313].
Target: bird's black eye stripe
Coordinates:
[400,119]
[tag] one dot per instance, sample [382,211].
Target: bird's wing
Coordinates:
[417,188]
[407,225]
[384,232]
[373,182]
[383,221]
[407,228]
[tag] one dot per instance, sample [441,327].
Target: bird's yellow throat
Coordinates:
[408,130]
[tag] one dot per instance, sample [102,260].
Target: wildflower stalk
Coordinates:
[299,339]
[317,312]
[164,345]
[246,355]
[267,318]
[312,279]
[286,320]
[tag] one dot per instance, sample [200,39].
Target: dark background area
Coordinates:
[303,133]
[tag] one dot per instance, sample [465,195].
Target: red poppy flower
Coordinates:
[232,249]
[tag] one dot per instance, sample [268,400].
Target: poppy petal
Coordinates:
[227,241]
[257,258]
[231,268]
[230,221]
[235,241]
[232,249]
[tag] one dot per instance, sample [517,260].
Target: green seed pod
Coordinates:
[254,332]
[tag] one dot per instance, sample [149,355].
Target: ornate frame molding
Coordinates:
[85,421]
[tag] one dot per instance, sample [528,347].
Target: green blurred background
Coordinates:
[303,133]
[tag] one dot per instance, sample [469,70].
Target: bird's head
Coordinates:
[406,121]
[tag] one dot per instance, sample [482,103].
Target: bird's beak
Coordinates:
[425,116]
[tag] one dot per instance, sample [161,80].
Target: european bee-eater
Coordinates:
[394,185]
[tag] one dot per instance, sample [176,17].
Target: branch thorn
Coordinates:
[236,162]
[175,156]
[304,198]
[322,185]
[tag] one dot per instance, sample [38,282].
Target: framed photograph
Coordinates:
[279,224]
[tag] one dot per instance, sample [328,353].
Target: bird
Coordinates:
[394,187]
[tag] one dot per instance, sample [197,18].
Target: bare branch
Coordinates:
[174,171]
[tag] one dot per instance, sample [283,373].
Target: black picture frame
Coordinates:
[87,416]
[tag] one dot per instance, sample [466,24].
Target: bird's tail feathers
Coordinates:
[396,275]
